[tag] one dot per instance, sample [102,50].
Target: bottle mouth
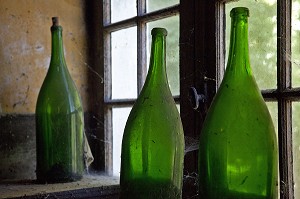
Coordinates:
[55,21]
[239,11]
[161,31]
[55,24]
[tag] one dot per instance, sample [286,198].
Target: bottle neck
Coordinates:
[157,67]
[57,53]
[238,59]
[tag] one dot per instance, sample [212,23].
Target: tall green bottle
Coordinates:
[238,147]
[153,142]
[59,120]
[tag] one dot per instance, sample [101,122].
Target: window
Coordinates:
[127,38]
[273,37]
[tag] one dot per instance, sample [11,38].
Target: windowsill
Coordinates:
[89,186]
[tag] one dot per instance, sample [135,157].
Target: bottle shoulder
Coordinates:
[241,98]
[58,91]
[156,113]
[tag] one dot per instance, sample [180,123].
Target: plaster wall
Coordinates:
[25,49]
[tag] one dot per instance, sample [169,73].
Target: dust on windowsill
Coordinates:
[19,188]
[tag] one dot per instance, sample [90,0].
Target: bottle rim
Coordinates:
[158,30]
[239,11]
[55,24]
[55,21]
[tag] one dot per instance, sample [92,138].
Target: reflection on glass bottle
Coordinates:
[153,142]
[238,147]
[59,120]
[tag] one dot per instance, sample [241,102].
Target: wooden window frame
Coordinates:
[202,60]
[204,49]
[285,94]
[108,27]
[201,49]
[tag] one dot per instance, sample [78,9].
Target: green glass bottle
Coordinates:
[153,141]
[59,120]
[237,146]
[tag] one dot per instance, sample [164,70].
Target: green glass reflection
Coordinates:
[172,48]
[262,39]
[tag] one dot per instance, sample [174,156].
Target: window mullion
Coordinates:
[141,46]
[220,41]
[284,105]
[107,135]
[141,55]
[106,12]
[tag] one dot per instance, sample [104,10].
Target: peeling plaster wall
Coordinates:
[25,49]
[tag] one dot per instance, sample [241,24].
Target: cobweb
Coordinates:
[191,144]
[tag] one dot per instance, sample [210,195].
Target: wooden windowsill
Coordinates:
[91,186]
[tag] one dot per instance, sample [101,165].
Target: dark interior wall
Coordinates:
[17,147]
[25,50]
[94,118]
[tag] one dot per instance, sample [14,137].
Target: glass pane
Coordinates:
[295,43]
[273,109]
[122,9]
[296,148]
[172,59]
[262,39]
[120,116]
[159,4]
[124,63]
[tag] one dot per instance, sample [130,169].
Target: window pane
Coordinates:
[296,147]
[295,43]
[262,39]
[172,59]
[159,4]
[122,9]
[124,63]
[120,116]
[273,109]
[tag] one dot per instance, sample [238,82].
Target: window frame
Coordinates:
[108,27]
[202,44]
[284,95]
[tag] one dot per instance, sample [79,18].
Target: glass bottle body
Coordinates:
[153,143]
[238,147]
[59,121]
